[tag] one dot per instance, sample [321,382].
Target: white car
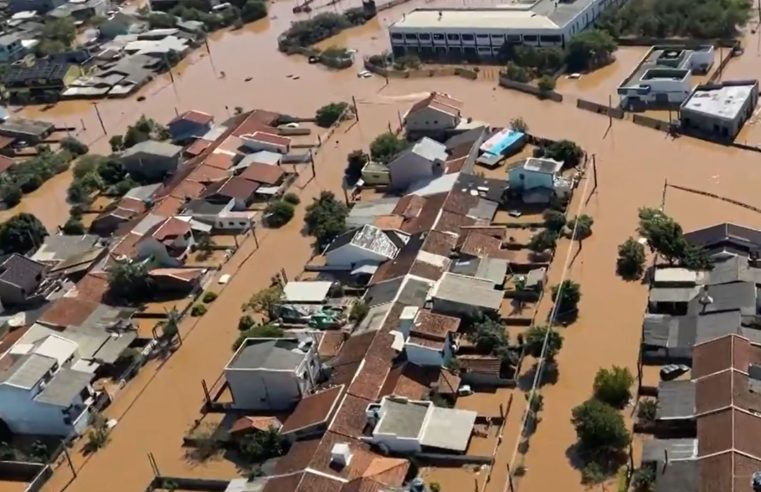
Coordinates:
[574,76]
[289,125]
[364,74]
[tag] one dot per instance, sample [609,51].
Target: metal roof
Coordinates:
[673,294]
[306,291]
[276,354]
[27,370]
[467,290]
[676,400]
[64,387]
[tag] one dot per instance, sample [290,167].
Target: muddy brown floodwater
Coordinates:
[160,405]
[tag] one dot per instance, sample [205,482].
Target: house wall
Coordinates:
[408,169]
[397,444]
[671,91]
[720,127]
[149,247]
[256,145]
[423,356]
[263,390]
[26,416]
[351,255]
[429,119]
[12,294]
[521,178]
[149,165]
[376,178]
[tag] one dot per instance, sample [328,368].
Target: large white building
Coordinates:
[481,33]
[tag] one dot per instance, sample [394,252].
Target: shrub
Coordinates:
[245,322]
[261,331]
[554,220]
[74,226]
[590,49]
[546,83]
[386,146]
[516,73]
[291,198]
[631,259]
[647,409]
[265,301]
[326,218]
[542,241]
[599,426]
[11,194]
[434,486]
[581,226]
[278,213]
[74,146]
[612,386]
[519,125]
[358,310]
[330,113]
[566,295]
[253,10]
[197,310]
[209,297]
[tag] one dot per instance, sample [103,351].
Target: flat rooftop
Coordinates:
[661,62]
[544,14]
[724,101]
[402,419]
[281,354]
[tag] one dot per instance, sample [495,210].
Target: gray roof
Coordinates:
[715,325]
[143,192]
[676,400]
[64,387]
[673,294]
[277,355]
[367,237]
[656,450]
[725,297]
[401,419]
[21,271]
[661,330]
[153,147]
[202,207]
[493,269]
[468,291]
[366,212]
[536,277]
[60,247]
[27,370]
[484,209]
[374,318]
[448,428]
[383,292]
[681,476]
[430,149]
[414,292]
[9,38]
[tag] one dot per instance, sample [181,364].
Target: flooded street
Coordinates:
[160,405]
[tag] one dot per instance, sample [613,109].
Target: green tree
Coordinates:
[358,311]
[330,113]
[198,310]
[87,165]
[356,160]
[663,234]
[647,409]
[161,20]
[74,226]
[581,226]
[542,241]
[116,142]
[97,437]
[171,326]
[516,73]
[518,124]
[566,296]
[599,426]
[266,301]
[205,245]
[643,480]
[292,198]
[631,259]
[305,33]
[612,386]
[278,213]
[554,220]
[386,146]
[129,281]
[11,194]
[253,10]
[260,331]
[589,49]
[534,341]
[566,152]
[21,233]
[490,337]
[259,446]
[326,218]
[111,171]
[74,146]
[546,83]
[61,30]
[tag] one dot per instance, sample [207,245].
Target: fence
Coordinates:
[594,107]
[649,41]
[529,89]
[181,483]
[654,123]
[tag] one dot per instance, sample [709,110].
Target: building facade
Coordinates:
[718,111]
[475,34]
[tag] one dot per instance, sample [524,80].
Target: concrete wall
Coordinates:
[429,119]
[424,356]
[409,168]
[26,416]
[529,89]
[397,444]
[263,390]
[613,111]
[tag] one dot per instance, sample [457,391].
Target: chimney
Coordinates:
[340,454]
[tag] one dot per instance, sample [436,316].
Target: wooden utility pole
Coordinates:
[68,458]
[356,109]
[311,160]
[100,119]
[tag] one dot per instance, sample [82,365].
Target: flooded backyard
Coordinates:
[161,403]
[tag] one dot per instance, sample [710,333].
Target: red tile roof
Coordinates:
[168,206]
[298,457]
[207,174]
[195,116]
[5,163]
[480,363]
[68,311]
[350,357]
[266,137]
[231,145]
[169,229]
[197,147]
[440,243]
[477,244]
[93,287]
[438,101]
[729,352]
[234,187]
[257,120]
[221,160]
[434,325]
[313,410]
[263,173]
[249,424]
[409,206]
[331,343]
[350,420]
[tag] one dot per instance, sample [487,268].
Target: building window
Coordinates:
[396,35]
[438,37]
[424,37]
[483,36]
[453,37]
[410,37]
[513,38]
[529,38]
[551,39]
[467,37]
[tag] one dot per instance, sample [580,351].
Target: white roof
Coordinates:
[498,19]
[680,275]
[57,348]
[307,291]
[448,428]
[430,149]
[428,187]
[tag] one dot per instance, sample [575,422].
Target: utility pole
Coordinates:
[211,58]
[100,119]
[356,110]
[68,458]
[311,160]
[253,233]
[610,111]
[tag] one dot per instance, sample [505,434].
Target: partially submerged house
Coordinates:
[20,278]
[426,338]
[538,180]
[365,245]
[151,159]
[459,295]
[435,114]
[272,374]
[190,125]
[727,240]
[424,160]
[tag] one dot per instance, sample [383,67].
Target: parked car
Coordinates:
[673,371]
[289,125]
